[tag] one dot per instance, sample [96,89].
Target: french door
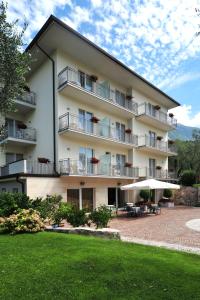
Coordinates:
[82,198]
[85,123]
[120,163]
[152,167]
[85,156]
[85,80]
[152,139]
[120,131]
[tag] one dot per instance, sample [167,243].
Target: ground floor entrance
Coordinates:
[116,197]
[81,198]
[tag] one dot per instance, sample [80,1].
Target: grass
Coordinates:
[61,266]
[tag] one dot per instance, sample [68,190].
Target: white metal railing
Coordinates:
[27,167]
[145,109]
[28,134]
[71,75]
[27,97]
[73,122]
[147,141]
[76,167]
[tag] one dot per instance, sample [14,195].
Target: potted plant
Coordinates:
[43,160]
[128,130]
[129,97]
[94,160]
[94,119]
[171,142]
[94,78]
[128,165]
[171,115]
[157,107]
[159,138]
[21,126]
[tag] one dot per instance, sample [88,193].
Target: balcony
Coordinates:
[73,125]
[69,84]
[155,118]
[154,146]
[15,136]
[159,174]
[72,167]
[27,167]
[26,102]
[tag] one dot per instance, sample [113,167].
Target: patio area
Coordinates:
[169,226]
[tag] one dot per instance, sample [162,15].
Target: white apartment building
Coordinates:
[86,124]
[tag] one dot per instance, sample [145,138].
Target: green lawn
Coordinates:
[61,266]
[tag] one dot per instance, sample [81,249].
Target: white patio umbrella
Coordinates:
[150,184]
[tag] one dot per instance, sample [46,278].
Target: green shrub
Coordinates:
[62,213]
[101,216]
[77,217]
[145,194]
[11,202]
[48,206]
[188,178]
[27,220]
[167,193]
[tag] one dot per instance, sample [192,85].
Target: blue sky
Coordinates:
[155,38]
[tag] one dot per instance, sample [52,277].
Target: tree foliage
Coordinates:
[14,64]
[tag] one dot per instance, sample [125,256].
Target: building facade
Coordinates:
[85,125]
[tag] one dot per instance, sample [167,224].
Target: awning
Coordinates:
[150,184]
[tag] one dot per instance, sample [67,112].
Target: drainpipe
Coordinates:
[54,105]
[22,184]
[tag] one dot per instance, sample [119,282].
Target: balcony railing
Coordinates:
[70,75]
[28,97]
[73,122]
[28,134]
[27,167]
[76,167]
[144,109]
[147,141]
[156,173]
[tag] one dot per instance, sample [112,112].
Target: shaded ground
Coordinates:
[168,227]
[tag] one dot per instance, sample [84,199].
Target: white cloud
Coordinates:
[176,81]
[184,116]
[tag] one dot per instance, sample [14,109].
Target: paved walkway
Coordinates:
[167,228]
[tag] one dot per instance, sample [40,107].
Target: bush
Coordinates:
[27,220]
[145,194]
[101,216]
[77,217]
[12,202]
[62,213]
[48,206]
[167,193]
[188,178]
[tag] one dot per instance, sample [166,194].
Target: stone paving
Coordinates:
[169,227]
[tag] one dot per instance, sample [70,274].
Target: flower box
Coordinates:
[171,142]
[94,160]
[159,138]
[94,78]
[157,107]
[43,160]
[94,120]
[128,130]
[21,126]
[128,165]
[171,115]
[158,167]
[129,97]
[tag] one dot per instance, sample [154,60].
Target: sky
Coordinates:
[155,38]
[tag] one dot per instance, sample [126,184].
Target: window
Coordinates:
[152,139]
[73,197]
[12,157]
[85,120]
[81,198]
[3,190]
[120,98]
[85,80]
[85,155]
[120,131]
[151,110]
[15,190]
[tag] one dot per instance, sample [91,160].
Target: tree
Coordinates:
[14,64]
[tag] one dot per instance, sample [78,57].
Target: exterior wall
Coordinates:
[40,187]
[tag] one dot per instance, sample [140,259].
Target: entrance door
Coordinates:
[87,199]
[116,197]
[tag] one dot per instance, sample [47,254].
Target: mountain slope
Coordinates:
[182,132]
